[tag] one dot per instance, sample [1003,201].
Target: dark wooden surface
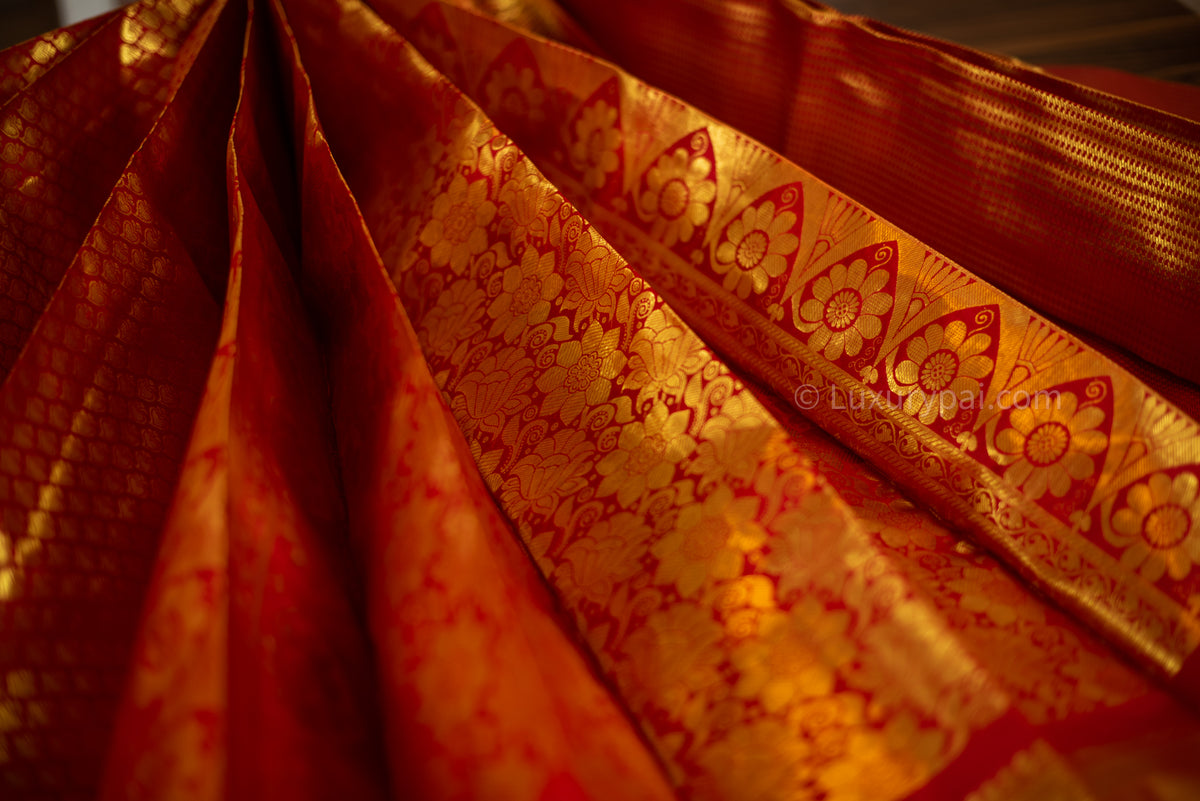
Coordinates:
[1158,38]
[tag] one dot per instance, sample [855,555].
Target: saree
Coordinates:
[426,400]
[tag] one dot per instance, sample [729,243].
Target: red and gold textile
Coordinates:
[400,404]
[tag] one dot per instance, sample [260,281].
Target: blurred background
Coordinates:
[21,19]
[1155,38]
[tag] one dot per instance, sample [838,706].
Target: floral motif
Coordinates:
[799,556]
[942,371]
[646,454]
[597,138]
[664,354]
[732,440]
[993,593]
[466,139]
[845,309]
[514,93]
[778,668]
[709,542]
[441,150]
[873,765]
[677,195]
[592,565]
[458,229]
[595,276]
[828,722]
[558,467]
[761,758]
[453,318]
[495,390]
[528,288]
[755,249]
[1159,528]
[1050,443]
[582,373]
[673,656]
[743,602]
[521,197]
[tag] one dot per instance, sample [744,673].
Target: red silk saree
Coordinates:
[682,400]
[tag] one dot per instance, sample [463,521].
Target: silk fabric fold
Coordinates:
[400,404]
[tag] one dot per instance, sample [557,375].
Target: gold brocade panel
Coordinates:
[1034,442]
